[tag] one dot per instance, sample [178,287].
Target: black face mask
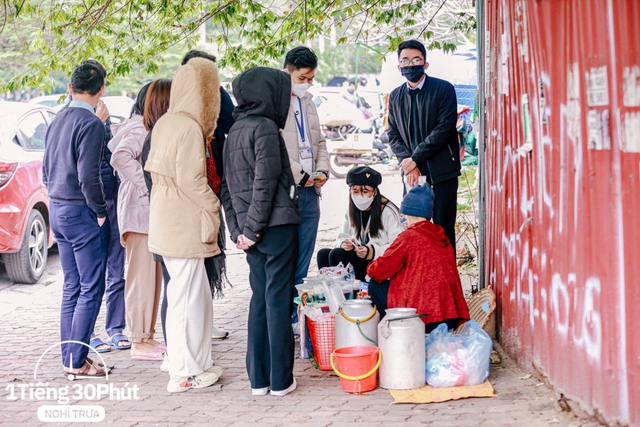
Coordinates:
[413,73]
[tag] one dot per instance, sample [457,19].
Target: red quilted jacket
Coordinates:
[422,267]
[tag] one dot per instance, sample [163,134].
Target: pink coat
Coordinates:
[133,197]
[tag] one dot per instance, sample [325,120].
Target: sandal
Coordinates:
[99,365]
[117,339]
[156,354]
[97,342]
[88,370]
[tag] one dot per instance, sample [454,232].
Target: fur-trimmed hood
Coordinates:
[183,213]
[195,92]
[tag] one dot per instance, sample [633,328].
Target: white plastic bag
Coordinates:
[458,359]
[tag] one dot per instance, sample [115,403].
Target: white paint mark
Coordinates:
[560,297]
[598,130]
[631,86]
[591,321]
[564,174]
[543,187]
[573,101]
[504,59]
[526,202]
[546,78]
[543,304]
[521,31]
[597,86]
[631,132]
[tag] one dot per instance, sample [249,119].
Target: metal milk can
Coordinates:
[402,342]
[357,324]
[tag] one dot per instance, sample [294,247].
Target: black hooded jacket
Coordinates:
[256,163]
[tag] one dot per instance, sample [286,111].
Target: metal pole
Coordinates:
[480,42]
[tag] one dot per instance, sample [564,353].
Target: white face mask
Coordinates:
[362,202]
[300,89]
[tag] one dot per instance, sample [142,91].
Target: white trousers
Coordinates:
[189,317]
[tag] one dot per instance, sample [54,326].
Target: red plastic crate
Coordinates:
[322,334]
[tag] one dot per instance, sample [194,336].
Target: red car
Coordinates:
[25,234]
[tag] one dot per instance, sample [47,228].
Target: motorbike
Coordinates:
[355,149]
[350,136]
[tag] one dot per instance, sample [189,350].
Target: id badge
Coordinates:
[305,153]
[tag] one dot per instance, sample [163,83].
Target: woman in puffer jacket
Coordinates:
[263,220]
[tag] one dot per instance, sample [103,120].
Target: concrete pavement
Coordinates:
[319,400]
[135,393]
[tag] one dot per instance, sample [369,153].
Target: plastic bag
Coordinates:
[458,359]
[314,313]
[339,272]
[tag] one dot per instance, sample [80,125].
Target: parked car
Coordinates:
[119,106]
[50,100]
[25,234]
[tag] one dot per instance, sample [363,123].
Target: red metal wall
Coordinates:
[562,193]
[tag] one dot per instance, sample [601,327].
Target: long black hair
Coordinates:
[375,224]
[138,107]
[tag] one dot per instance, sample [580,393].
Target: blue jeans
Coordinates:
[82,246]
[115,316]
[309,206]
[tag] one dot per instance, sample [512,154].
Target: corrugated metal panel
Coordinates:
[562,194]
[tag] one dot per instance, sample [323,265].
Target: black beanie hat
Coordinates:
[364,175]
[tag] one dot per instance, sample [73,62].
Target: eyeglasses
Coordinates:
[361,190]
[414,61]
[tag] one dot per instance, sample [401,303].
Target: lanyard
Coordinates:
[300,123]
[364,232]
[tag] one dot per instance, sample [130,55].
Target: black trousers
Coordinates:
[163,308]
[445,206]
[378,293]
[270,343]
[333,257]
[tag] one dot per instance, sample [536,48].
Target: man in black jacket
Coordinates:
[263,219]
[422,133]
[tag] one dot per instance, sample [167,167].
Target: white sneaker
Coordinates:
[260,391]
[285,391]
[217,370]
[218,334]
[164,367]
[178,384]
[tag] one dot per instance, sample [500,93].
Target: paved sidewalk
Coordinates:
[27,331]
